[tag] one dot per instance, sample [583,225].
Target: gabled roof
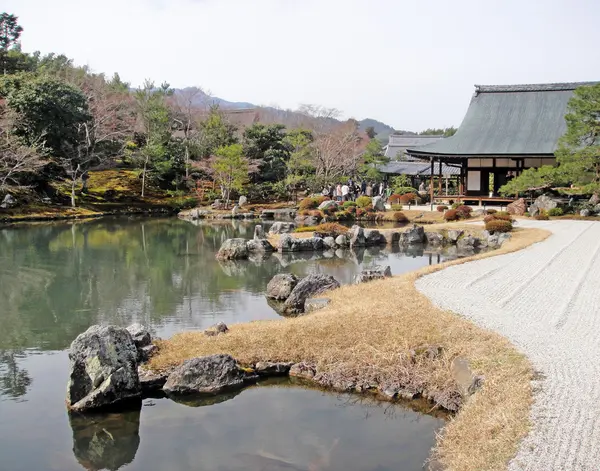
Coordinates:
[508,120]
[398,143]
[402,167]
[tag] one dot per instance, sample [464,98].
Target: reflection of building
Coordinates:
[105,441]
[507,128]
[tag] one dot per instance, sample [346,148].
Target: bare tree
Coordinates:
[336,151]
[17,160]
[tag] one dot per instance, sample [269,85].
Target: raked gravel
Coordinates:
[546,300]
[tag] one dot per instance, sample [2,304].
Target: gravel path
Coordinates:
[546,300]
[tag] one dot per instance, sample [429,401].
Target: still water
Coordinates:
[58,279]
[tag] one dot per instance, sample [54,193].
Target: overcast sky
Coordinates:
[411,64]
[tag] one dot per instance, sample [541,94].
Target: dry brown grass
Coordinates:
[365,336]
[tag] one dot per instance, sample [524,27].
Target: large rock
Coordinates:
[259,232]
[342,241]
[374,273]
[307,288]
[595,199]
[392,238]
[282,228]
[374,237]
[378,203]
[543,203]
[415,235]
[329,204]
[329,243]
[357,236]
[268,368]
[103,369]
[209,375]
[585,213]
[453,235]
[8,202]
[216,329]
[259,245]
[287,243]
[233,249]
[467,242]
[141,335]
[434,238]
[280,287]
[517,208]
[242,201]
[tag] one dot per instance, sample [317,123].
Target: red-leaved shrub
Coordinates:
[498,225]
[442,207]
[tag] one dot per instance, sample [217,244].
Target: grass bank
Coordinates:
[366,336]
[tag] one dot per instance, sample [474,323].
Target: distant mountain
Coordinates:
[270,114]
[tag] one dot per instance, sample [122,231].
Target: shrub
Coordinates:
[541,216]
[441,208]
[451,215]
[328,229]
[396,207]
[491,211]
[363,201]
[502,213]
[360,212]
[488,218]
[352,209]
[503,216]
[555,212]
[498,225]
[316,214]
[409,197]
[394,198]
[344,216]
[456,204]
[349,204]
[305,229]
[309,203]
[403,190]
[399,216]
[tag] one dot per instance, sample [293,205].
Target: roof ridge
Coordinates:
[534,87]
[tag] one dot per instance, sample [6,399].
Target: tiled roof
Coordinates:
[398,143]
[416,168]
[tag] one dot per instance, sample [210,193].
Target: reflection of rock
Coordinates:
[373,273]
[210,375]
[107,441]
[103,368]
[195,400]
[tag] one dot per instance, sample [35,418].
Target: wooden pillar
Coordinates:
[431,182]
[440,176]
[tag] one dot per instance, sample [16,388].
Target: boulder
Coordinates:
[282,228]
[151,381]
[8,202]
[259,245]
[280,287]
[307,288]
[392,238]
[467,382]
[517,208]
[235,211]
[314,304]
[453,235]
[543,203]
[374,237]
[287,243]
[434,238]
[374,273]
[585,212]
[342,241]
[216,329]
[103,370]
[259,232]
[209,375]
[285,213]
[217,204]
[467,242]
[267,368]
[595,199]
[357,236]
[141,335]
[233,249]
[302,370]
[415,235]
[145,353]
[329,243]
[242,201]
[378,203]
[329,204]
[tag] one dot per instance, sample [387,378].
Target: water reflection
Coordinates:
[14,380]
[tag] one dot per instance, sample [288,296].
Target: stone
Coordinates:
[314,304]
[284,213]
[302,370]
[467,242]
[467,382]
[329,242]
[8,202]
[543,203]
[434,238]
[374,273]
[267,368]
[145,353]
[595,199]
[392,238]
[342,241]
[517,208]
[287,243]
[328,204]
[140,335]
[259,232]
[103,369]
[216,329]
[235,211]
[259,245]
[233,249]
[311,221]
[280,287]
[453,235]
[209,375]
[503,237]
[585,212]
[217,204]
[307,288]
[378,203]
[282,228]
[357,236]
[374,237]
[242,201]
[415,235]
[597,209]
[533,210]
[151,381]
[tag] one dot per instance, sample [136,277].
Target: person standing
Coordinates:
[345,191]
[369,190]
[338,192]
[381,189]
[363,188]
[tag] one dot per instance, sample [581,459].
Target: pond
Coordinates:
[57,279]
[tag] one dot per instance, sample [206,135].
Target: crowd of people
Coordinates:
[351,190]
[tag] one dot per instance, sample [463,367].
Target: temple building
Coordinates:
[507,128]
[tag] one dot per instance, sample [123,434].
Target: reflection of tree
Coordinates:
[13,380]
[107,441]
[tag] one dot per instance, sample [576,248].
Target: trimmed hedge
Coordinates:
[399,216]
[498,225]
[363,201]
[442,207]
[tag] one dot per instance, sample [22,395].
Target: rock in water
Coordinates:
[415,235]
[378,204]
[374,237]
[374,273]
[280,287]
[259,232]
[307,288]
[434,238]
[453,235]
[518,208]
[233,249]
[282,228]
[210,375]
[103,368]
[259,245]
[140,335]
[357,236]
